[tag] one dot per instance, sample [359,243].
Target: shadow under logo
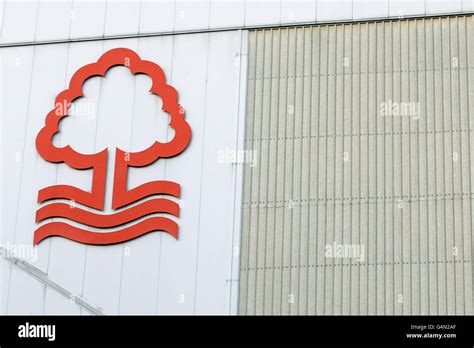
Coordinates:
[121,196]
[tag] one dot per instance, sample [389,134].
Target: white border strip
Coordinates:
[249,27]
[239,175]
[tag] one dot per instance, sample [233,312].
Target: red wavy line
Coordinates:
[62,229]
[64,210]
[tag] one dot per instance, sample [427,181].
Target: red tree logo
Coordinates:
[121,196]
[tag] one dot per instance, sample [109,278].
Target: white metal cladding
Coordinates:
[331,168]
[154,273]
[45,20]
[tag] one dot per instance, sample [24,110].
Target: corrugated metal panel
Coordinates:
[338,163]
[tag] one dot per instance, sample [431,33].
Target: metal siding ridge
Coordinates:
[48,283]
[390,279]
[251,27]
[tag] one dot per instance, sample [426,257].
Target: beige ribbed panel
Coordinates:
[331,168]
